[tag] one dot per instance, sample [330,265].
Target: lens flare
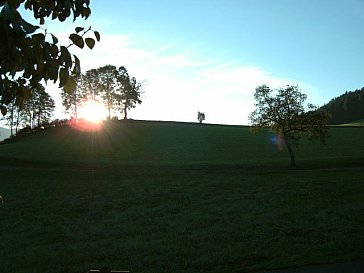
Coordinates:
[276,140]
[91,114]
[92,111]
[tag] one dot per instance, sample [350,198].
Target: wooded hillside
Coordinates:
[346,108]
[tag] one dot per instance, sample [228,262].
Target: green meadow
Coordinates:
[178,197]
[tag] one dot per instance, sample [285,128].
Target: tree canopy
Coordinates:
[118,91]
[129,95]
[284,112]
[200,116]
[37,110]
[30,53]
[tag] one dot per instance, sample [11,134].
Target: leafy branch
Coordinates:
[26,57]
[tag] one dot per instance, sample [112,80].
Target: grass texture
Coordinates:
[177,197]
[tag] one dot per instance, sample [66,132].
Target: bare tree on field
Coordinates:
[283,112]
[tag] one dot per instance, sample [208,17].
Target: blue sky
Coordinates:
[209,55]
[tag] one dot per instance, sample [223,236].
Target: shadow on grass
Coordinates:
[8,161]
[331,163]
[246,167]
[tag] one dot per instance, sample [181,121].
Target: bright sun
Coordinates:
[92,111]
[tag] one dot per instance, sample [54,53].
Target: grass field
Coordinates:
[175,197]
[356,123]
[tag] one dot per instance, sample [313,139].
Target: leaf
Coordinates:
[77,66]
[22,81]
[66,57]
[27,5]
[3,110]
[55,14]
[61,17]
[79,29]
[77,40]
[29,28]
[54,38]
[70,86]
[53,69]
[87,12]
[38,38]
[63,76]
[90,43]
[97,35]
[54,50]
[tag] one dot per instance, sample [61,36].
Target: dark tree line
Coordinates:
[35,110]
[346,108]
[113,86]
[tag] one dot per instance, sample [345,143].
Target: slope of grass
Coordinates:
[164,197]
[144,143]
[359,122]
[175,144]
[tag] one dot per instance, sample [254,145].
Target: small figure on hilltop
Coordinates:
[200,116]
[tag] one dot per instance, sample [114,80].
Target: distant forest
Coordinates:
[346,108]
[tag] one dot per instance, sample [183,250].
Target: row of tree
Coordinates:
[346,108]
[32,110]
[113,86]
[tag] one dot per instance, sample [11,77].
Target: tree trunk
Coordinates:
[109,102]
[289,148]
[30,119]
[125,112]
[291,154]
[38,118]
[12,119]
[17,121]
[75,112]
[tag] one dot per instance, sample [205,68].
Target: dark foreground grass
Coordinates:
[193,206]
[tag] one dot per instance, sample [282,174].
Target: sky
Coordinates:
[210,55]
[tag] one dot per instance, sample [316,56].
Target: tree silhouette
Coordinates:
[71,98]
[38,107]
[109,84]
[12,117]
[200,116]
[285,113]
[129,94]
[44,107]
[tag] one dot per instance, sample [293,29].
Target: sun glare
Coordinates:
[92,111]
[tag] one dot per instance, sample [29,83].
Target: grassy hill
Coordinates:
[170,143]
[355,123]
[173,197]
[150,143]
